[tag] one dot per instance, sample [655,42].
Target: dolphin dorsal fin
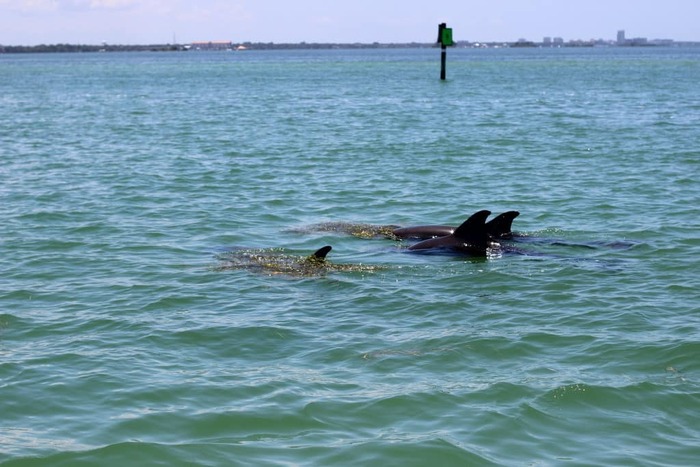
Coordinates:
[500,226]
[320,254]
[473,231]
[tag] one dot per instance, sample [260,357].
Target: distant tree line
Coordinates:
[71,48]
[330,45]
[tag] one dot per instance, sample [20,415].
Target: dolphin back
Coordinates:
[501,225]
[423,232]
[471,237]
[319,255]
[473,232]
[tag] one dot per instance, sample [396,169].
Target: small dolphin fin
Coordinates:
[320,254]
[473,231]
[500,226]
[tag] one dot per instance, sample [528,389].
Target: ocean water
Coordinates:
[124,177]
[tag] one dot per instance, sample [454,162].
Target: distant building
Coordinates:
[558,42]
[637,41]
[666,42]
[547,41]
[621,37]
[212,45]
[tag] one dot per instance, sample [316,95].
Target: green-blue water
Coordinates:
[123,176]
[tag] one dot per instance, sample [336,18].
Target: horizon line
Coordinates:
[559,40]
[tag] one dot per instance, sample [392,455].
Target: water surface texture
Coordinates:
[125,177]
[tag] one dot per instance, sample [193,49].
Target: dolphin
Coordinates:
[498,228]
[423,232]
[355,229]
[274,262]
[472,237]
[319,256]
[501,225]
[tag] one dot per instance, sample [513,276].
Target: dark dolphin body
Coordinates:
[498,228]
[501,225]
[423,232]
[472,237]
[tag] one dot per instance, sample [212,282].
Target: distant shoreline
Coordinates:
[229,46]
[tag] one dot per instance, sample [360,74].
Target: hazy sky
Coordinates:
[31,22]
